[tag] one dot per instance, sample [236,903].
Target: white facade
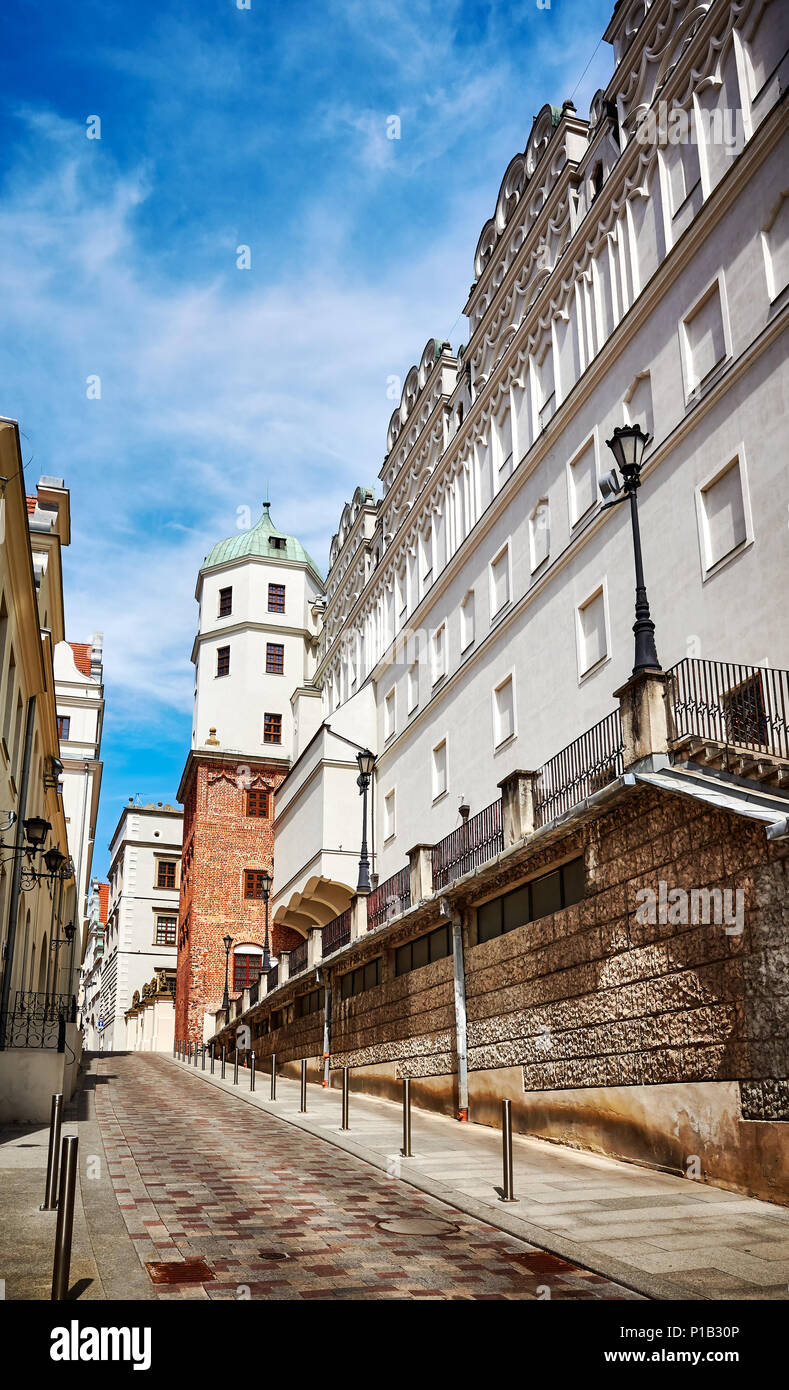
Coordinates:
[486,601]
[79,696]
[256,642]
[90,975]
[142,918]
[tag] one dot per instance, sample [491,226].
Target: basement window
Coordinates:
[539,898]
[434,945]
[357,981]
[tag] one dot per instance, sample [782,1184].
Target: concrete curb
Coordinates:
[649,1285]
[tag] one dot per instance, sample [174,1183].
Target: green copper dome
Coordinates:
[262,539]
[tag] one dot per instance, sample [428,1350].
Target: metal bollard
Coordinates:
[224,1059]
[68,1180]
[212,1059]
[507,1194]
[252,1072]
[345,1074]
[235,1069]
[406,1149]
[50,1202]
[273,1076]
[202,1050]
[303,1101]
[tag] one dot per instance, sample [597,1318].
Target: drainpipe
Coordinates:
[459,982]
[16,879]
[322,978]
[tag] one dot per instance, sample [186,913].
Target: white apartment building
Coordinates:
[142,915]
[79,697]
[90,974]
[478,618]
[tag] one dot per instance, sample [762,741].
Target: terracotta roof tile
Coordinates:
[81,652]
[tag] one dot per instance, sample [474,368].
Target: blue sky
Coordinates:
[220,127]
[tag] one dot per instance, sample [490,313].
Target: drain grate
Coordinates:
[179,1271]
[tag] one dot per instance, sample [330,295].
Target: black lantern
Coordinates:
[54,860]
[228,942]
[266,882]
[36,831]
[366,762]
[628,446]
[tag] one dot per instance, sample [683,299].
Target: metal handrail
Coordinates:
[586,765]
[472,844]
[744,708]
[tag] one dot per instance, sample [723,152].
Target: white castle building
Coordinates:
[478,617]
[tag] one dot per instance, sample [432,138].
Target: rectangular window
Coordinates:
[503,712]
[435,945]
[258,803]
[592,638]
[276,598]
[389,714]
[166,928]
[64,724]
[440,769]
[272,728]
[722,515]
[549,893]
[439,652]
[357,981]
[225,602]
[246,971]
[467,621]
[223,661]
[389,815]
[307,1004]
[275,659]
[704,338]
[582,483]
[165,873]
[253,883]
[413,686]
[500,581]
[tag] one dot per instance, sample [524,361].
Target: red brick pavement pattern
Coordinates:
[278,1214]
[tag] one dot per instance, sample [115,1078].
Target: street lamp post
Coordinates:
[228,942]
[267,882]
[628,446]
[366,761]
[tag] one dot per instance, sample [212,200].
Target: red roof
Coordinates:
[104,901]
[32,503]
[81,652]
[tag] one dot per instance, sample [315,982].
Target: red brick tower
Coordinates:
[259,594]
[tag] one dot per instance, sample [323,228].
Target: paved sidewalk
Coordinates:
[664,1236]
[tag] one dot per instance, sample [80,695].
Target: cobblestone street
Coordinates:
[276,1213]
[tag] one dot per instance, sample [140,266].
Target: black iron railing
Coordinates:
[583,767]
[47,1007]
[336,933]
[389,899]
[745,708]
[27,1029]
[298,959]
[474,842]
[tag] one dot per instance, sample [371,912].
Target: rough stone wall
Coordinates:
[407,1019]
[220,842]
[591,996]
